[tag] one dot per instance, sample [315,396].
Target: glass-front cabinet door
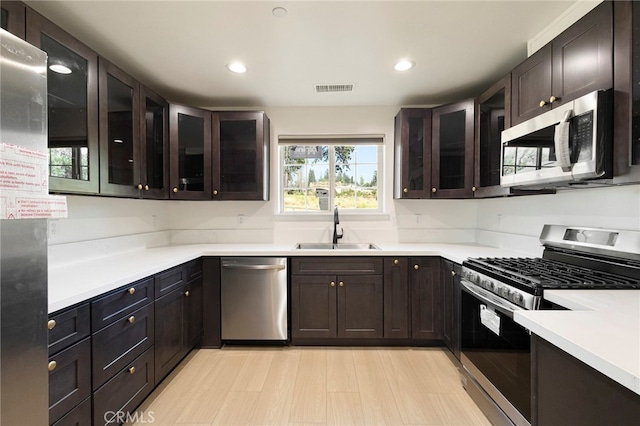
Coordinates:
[154,145]
[452,150]
[190,150]
[119,132]
[72,104]
[240,156]
[12,17]
[412,154]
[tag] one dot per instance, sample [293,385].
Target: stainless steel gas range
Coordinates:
[495,350]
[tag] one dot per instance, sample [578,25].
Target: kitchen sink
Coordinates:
[340,246]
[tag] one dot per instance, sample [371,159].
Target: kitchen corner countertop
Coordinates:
[602,329]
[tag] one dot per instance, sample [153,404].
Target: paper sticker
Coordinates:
[46,207]
[490,319]
[23,170]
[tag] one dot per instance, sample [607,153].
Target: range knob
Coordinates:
[504,292]
[485,284]
[518,298]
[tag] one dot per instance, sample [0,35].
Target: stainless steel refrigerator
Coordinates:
[23,242]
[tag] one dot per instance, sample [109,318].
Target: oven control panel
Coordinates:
[514,295]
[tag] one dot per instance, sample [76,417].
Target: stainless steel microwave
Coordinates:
[568,145]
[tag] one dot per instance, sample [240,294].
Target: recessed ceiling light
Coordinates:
[60,69]
[279,12]
[404,65]
[237,67]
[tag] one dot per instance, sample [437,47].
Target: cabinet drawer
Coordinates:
[124,392]
[336,265]
[120,303]
[118,344]
[68,327]
[193,269]
[167,281]
[79,416]
[70,380]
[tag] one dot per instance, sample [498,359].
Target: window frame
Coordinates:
[332,141]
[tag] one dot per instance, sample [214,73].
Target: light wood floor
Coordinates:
[319,386]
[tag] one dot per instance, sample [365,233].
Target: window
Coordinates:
[318,174]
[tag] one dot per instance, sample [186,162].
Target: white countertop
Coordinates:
[602,329]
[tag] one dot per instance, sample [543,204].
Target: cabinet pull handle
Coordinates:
[175,190]
[132,370]
[542,103]
[474,189]
[131,290]
[396,261]
[139,186]
[333,284]
[215,192]
[405,190]
[131,319]
[146,187]
[453,273]
[186,293]
[433,190]
[341,284]
[552,99]
[51,324]
[52,365]
[416,267]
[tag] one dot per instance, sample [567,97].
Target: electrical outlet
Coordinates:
[53,227]
[240,219]
[418,218]
[153,221]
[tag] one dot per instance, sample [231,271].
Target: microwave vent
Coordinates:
[330,88]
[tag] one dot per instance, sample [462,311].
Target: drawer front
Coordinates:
[167,281]
[120,303]
[79,416]
[336,265]
[70,380]
[118,344]
[124,392]
[193,269]
[70,326]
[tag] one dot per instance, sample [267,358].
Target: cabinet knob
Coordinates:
[396,261]
[51,324]
[552,99]
[474,189]
[542,103]
[52,365]
[139,186]
[453,273]
[131,290]
[131,319]
[175,189]
[341,284]
[186,293]
[433,190]
[416,267]
[333,284]
[132,370]
[405,190]
[215,192]
[146,187]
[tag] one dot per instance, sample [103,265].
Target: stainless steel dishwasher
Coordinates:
[254,298]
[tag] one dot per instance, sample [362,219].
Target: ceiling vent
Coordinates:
[328,88]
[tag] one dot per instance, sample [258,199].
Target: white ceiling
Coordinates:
[180,48]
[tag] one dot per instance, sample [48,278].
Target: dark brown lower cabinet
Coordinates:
[313,307]
[79,416]
[194,313]
[567,391]
[69,379]
[114,403]
[426,315]
[397,318]
[450,279]
[360,304]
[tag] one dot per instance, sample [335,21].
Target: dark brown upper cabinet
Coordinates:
[12,18]
[577,62]
[190,152]
[452,144]
[626,95]
[119,131]
[154,145]
[412,154]
[492,117]
[240,146]
[72,106]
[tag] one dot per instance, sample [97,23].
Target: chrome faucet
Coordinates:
[336,221]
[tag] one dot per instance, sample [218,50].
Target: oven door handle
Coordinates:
[501,305]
